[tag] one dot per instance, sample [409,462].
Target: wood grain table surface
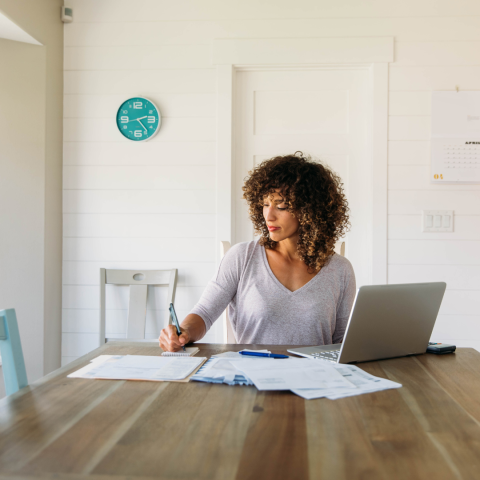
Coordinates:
[100,429]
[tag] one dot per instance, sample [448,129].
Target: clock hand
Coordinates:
[141,118]
[142,124]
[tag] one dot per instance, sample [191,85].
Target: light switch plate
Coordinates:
[437,221]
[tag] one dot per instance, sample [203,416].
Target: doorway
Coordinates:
[325,112]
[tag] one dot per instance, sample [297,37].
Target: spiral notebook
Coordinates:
[190,352]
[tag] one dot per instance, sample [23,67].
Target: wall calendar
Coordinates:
[455,142]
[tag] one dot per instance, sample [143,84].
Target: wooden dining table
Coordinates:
[74,428]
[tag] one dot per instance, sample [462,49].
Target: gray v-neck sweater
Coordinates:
[263,311]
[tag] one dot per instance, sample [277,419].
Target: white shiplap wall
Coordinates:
[152,205]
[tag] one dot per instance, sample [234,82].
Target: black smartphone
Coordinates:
[440,348]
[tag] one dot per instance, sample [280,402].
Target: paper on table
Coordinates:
[189,352]
[89,371]
[85,372]
[363,381]
[105,358]
[145,367]
[222,368]
[289,374]
[224,365]
[238,378]
[227,355]
[140,367]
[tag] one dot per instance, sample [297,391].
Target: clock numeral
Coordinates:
[125,111]
[151,119]
[124,119]
[150,112]
[138,133]
[137,105]
[124,127]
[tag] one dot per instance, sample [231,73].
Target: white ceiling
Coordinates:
[11,31]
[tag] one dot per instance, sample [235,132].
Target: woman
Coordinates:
[288,287]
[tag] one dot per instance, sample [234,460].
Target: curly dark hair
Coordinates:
[312,192]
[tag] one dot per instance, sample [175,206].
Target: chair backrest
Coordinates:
[13,365]
[340,248]
[138,280]
[228,335]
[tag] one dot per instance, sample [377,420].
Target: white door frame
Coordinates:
[230,55]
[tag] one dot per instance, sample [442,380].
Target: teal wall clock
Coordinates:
[138,119]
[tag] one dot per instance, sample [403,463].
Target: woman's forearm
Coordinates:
[194,327]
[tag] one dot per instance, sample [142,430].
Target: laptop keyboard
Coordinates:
[331,356]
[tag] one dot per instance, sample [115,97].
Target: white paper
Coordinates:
[141,367]
[88,371]
[289,374]
[189,352]
[144,361]
[363,382]
[219,368]
[223,368]
[105,358]
[230,375]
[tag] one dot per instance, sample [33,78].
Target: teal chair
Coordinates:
[13,365]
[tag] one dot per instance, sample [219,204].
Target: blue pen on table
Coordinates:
[262,354]
[175,322]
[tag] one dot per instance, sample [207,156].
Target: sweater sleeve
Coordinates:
[223,287]
[345,303]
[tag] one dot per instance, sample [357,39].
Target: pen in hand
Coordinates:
[175,322]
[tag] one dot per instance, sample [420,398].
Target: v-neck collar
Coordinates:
[277,281]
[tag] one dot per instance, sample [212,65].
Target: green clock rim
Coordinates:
[158,113]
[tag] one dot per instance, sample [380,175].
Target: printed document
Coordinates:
[362,382]
[292,373]
[140,367]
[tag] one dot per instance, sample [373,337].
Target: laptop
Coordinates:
[386,321]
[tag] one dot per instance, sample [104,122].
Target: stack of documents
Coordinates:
[139,367]
[361,382]
[304,377]
[221,369]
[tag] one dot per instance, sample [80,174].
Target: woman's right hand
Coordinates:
[169,341]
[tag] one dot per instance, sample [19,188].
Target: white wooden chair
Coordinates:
[228,335]
[340,248]
[138,280]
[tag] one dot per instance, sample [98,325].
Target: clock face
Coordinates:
[138,119]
